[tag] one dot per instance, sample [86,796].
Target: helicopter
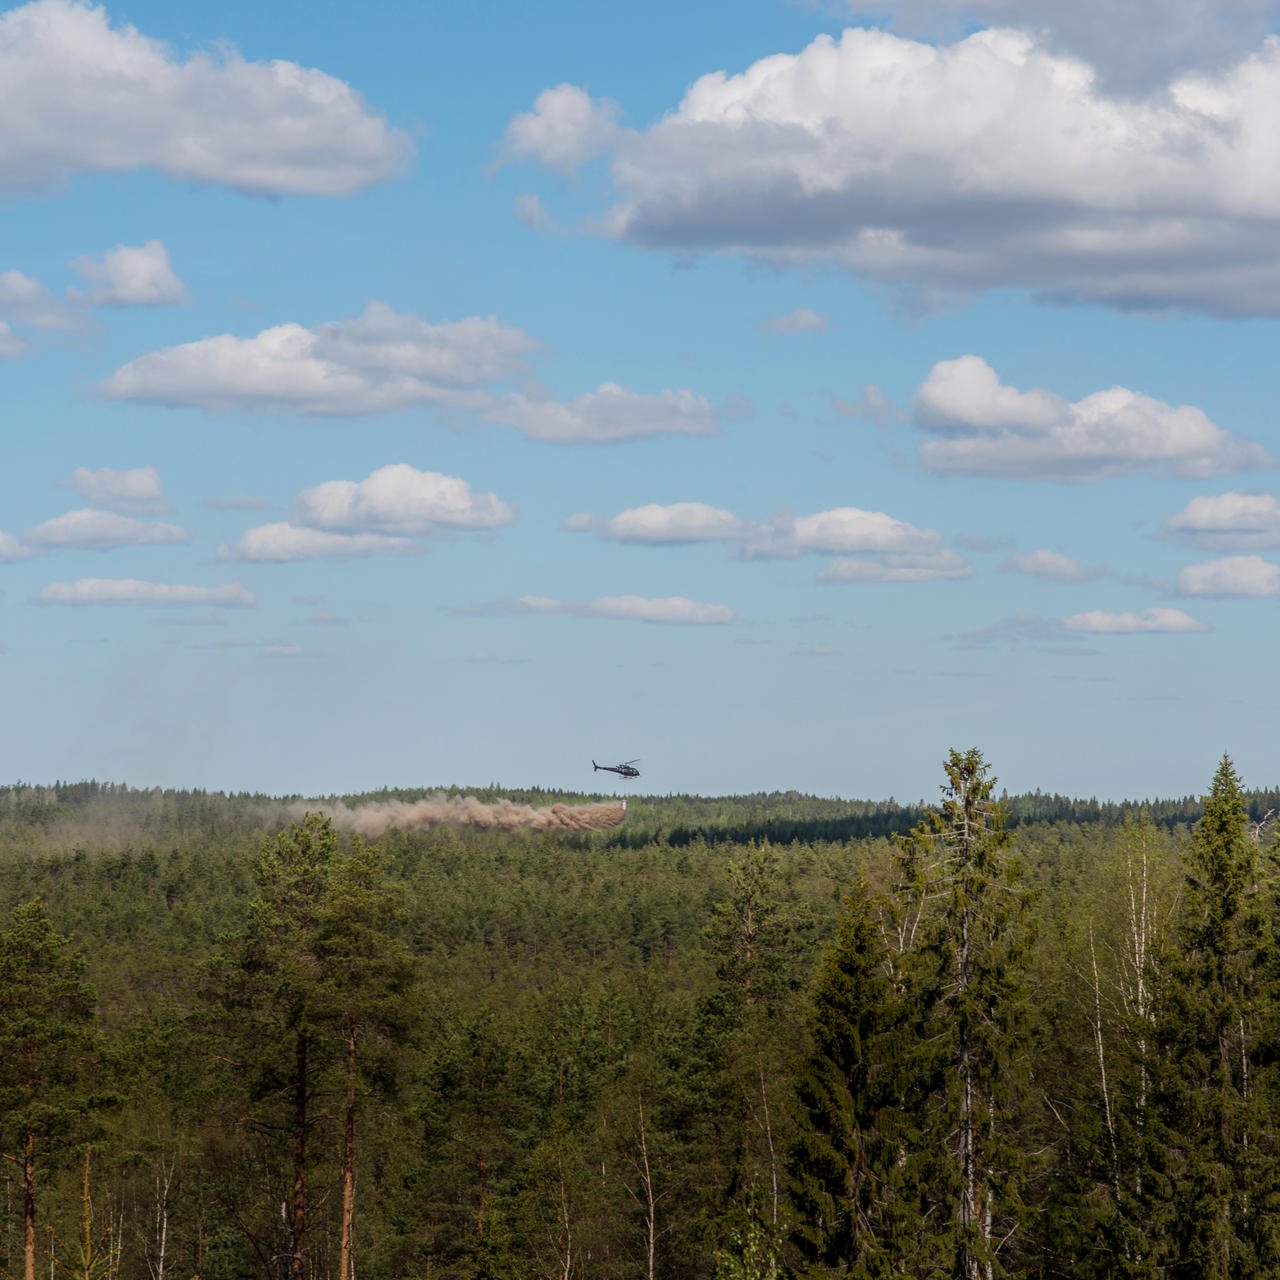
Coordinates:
[627,769]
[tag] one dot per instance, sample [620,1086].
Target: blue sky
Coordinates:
[413,394]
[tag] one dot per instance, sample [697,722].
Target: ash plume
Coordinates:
[466,811]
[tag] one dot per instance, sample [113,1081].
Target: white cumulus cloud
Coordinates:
[1135,43]
[135,591]
[1100,622]
[869,546]
[385,514]
[78,94]
[565,129]
[375,363]
[1234,521]
[400,499]
[1231,576]
[988,428]
[852,529]
[130,276]
[992,162]
[100,531]
[383,361]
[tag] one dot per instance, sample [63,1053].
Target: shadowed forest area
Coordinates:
[735,1038]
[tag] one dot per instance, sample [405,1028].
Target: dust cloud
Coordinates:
[466,811]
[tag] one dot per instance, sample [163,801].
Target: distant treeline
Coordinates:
[677,819]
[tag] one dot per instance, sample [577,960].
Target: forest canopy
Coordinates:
[736,1038]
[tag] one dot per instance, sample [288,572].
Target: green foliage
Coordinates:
[536,1018]
[749,1253]
[1213,1148]
[48,1043]
[962,972]
[847,1147]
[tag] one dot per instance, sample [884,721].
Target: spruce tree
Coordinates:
[964,986]
[1213,1189]
[844,1153]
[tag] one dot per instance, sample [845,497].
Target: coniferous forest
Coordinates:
[741,1038]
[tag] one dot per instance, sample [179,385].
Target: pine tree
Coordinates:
[311,996]
[1213,1193]
[369,973]
[47,1048]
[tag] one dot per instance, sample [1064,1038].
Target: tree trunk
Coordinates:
[29,1209]
[348,1161]
[650,1201]
[297,1244]
[969,1195]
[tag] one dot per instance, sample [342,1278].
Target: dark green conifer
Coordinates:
[844,1151]
[311,996]
[963,981]
[48,1045]
[1213,1190]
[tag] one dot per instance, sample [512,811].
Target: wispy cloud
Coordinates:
[925,566]
[872,406]
[238,502]
[135,591]
[801,320]
[92,530]
[1141,622]
[1052,566]
[605,416]
[282,543]
[262,648]
[133,491]
[663,610]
